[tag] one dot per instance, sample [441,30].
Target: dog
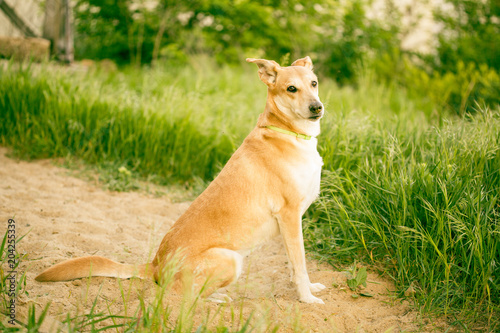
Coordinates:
[263,191]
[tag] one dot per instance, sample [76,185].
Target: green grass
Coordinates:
[406,186]
[68,121]
[422,201]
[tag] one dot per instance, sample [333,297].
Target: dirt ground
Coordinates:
[65,217]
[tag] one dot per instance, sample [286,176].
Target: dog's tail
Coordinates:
[94,266]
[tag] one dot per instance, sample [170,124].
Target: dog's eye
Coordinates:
[314,83]
[291,89]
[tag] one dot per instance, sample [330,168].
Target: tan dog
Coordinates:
[263,191]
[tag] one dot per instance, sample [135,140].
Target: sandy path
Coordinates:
[68,217]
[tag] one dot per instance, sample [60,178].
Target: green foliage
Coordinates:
[102,29]
[356,277]
[338,36]
[471,34]
[463,89]
[458,91]
[34,322]
[349,39]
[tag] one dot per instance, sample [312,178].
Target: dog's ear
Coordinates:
[306,62]
[268,70]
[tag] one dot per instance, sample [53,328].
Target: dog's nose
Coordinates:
[316,107]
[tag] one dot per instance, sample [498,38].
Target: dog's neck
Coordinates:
[272,116]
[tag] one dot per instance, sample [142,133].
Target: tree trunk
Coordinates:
[57,28]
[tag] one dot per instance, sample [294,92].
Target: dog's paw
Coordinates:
[219,298]
[311,299]
[315,287]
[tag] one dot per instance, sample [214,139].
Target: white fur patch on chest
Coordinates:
[306,174]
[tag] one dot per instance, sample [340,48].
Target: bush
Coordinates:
[460,91]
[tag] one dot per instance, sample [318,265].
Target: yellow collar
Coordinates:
[280,130]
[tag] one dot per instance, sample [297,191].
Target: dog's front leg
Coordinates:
[290,224]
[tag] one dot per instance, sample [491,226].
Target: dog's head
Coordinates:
[293,89]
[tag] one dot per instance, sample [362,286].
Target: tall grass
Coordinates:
[122,120]
[405,186]
[420,199]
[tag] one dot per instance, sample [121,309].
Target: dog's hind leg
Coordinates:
[216,268]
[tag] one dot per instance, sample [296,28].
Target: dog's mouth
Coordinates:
[316,117]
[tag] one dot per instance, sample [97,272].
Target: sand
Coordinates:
[64,216]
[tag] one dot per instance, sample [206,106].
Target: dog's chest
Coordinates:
[306,174]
